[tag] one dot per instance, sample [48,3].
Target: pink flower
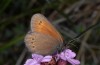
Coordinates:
[60,59]
[68,55]
[31,62]
[37,59]
[46,58]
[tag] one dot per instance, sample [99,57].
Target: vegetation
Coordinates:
[77,20]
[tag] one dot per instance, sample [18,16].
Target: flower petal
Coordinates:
[62,56]
[31,62]
[69,53]
[74,61]
[28,62]
[47,59]
[37,57]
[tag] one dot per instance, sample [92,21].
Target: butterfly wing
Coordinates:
[40,43]
[43,38]
[39,23]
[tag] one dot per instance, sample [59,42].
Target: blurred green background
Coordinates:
[70,17]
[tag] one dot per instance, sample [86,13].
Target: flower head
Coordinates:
[68,55]
[37,59]
[59,59]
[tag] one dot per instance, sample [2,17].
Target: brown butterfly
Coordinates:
[43,38]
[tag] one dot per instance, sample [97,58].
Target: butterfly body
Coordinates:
[43,37]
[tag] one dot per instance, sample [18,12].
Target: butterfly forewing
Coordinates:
[39,23]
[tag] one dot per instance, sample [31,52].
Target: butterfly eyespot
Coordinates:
[32,42]
[40,22]
[33,46]
[32,38]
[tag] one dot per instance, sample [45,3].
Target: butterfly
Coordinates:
[42,38]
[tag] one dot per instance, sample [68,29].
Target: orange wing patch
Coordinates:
[40,24]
